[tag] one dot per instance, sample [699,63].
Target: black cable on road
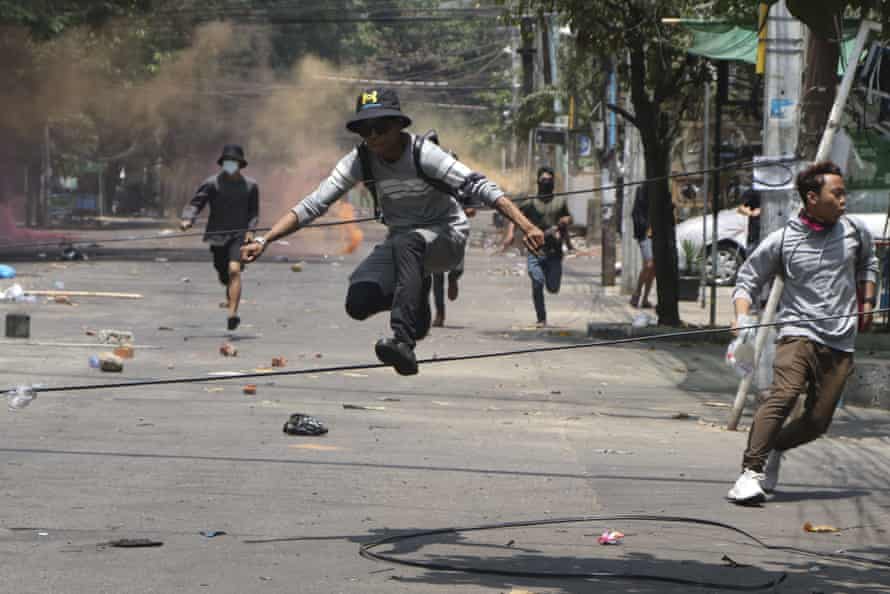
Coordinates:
[449,359]
[366,551]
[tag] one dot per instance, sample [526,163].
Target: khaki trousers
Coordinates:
[801,366]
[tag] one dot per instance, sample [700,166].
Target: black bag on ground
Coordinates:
[300,424]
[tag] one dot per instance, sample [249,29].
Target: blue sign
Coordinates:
[585,146]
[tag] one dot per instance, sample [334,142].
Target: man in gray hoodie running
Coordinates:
[824,258]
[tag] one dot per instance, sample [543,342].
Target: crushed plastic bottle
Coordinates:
[20,398]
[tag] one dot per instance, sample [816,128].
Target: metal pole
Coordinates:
[705,164]
[834,121]
[720,99]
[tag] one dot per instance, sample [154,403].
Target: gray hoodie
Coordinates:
[821,269]
[407,201]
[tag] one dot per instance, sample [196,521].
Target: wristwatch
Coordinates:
[260,240]
[873,301]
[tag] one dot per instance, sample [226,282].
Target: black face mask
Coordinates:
[545,188]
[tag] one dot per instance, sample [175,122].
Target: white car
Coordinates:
[732,237]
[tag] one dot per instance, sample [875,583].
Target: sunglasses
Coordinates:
[378,125]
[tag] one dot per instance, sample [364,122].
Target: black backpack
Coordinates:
[364,156]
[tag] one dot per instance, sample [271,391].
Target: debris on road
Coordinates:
[18,325]
[112,336]
[7,271]
[819,528]
[112,295]
[131,543]
[300,424]
[20,398]
[212,533]
[250,389]
[279,361]
[125,352]
[107,362]
[296,267]
[610,537]
[613,452]
[62,300]
[363,407]
[227,350]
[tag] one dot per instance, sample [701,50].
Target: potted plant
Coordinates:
[690,276]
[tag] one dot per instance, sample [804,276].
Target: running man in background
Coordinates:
[234,202]
[550,213]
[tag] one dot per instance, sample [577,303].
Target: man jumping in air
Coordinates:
[428,229]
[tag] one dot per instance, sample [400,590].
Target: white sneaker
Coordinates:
[747,489]
[771,471]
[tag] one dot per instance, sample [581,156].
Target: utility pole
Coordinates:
[721,99]
[527,53]
[46,173]
[608,196]
[785,44]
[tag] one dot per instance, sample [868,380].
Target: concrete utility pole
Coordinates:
[785,45]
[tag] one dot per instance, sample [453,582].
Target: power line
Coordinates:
[449,359]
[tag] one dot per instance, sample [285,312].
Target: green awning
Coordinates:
[724,42]
[721,41]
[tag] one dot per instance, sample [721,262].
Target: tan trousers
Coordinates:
[801,366]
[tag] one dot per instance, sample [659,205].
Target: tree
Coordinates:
[659,75]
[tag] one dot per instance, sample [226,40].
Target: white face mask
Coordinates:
[231,167]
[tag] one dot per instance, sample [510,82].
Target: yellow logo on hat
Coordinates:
[369,97]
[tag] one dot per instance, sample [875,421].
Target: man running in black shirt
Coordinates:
[234,208]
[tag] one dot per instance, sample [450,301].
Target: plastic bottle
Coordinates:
[20,398]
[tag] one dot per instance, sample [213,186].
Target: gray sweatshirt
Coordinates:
[407,202]
[821,271]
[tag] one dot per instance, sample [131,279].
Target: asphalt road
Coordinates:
[607,431]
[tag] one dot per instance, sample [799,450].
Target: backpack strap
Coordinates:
[364,157]
[858,240]
[416,150]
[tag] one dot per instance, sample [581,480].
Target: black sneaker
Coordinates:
[398,354]
[233,322]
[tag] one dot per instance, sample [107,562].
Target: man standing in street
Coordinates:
[550,213]
[234,208]
[643,235]
[412,182]
[824,257]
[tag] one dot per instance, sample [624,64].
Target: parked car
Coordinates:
[732,235]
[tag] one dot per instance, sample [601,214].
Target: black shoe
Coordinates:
[233,322]
[398,354]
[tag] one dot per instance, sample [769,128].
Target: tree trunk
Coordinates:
[819,90]
[664,232]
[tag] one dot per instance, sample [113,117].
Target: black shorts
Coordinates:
[230,251]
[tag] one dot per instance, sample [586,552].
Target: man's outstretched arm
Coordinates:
[534,237]
[284,226]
